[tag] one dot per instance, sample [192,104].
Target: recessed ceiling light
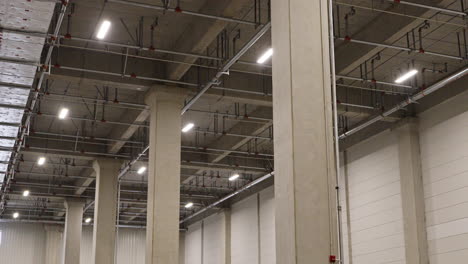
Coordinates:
[26,193]
[88,220]
[63,113]
[265,56]
[103,29]
[15,215]
[41,161]
[188,127]
[406,76]
[234,177]
[141,170]
[188,205]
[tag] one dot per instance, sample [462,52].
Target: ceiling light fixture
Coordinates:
[189,205]
[26,193]
[188,127]
[15,215]
[141,170]
[265,56]
[234,177]
[88,220]
[41,161]
[406,76]
[103,29]
[63,113]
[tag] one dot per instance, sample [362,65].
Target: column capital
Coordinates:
[407,124]
[74,202]
[106,163]
[163,93]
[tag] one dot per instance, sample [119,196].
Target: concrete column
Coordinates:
[305,195]
[182,248]
[53,252]
[105,210]
[227,236]
[412,193]
[72,232]
[162,228]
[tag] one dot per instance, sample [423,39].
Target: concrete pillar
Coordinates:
[227,236]
[305,195]
[53,254]
[162,228]
[72,231]
[182,248]
[105,210]
[412,193]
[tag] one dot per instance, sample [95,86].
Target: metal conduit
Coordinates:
[401,105]
[408,101]
[108,43]
[91,120]
[161,8]
[371,81]
[401,48]
[94,100]
[225,68]
[230,134]
[84,138]
[439,9]
[156,59]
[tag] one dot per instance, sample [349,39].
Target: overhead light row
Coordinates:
[406,76]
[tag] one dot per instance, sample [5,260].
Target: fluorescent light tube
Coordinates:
[188,127]
[265,56]
[41,161]
[234,177]
[63,113]
[406,76]
[141,170]
[103,29]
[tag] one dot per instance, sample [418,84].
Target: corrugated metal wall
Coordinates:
[375,206]
[252,234]
[444,155]
[22,243]
[27,244]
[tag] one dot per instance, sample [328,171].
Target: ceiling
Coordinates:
[104,83]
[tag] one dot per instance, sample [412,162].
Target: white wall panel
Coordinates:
[214,239]
[27,244]
[86,253]
[267,226]
[131,246]
[22,243]
[444,157]
[374,199]
[244,232]
[193,244]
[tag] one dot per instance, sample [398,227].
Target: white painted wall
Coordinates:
[26,244]
[252,234]
[22,243]
[193,244]
[214,239]
[375,223]
[245,232]
[444,156]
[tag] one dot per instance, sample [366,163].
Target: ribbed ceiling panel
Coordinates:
[19,56]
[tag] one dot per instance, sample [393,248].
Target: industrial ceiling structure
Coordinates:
[72,93]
